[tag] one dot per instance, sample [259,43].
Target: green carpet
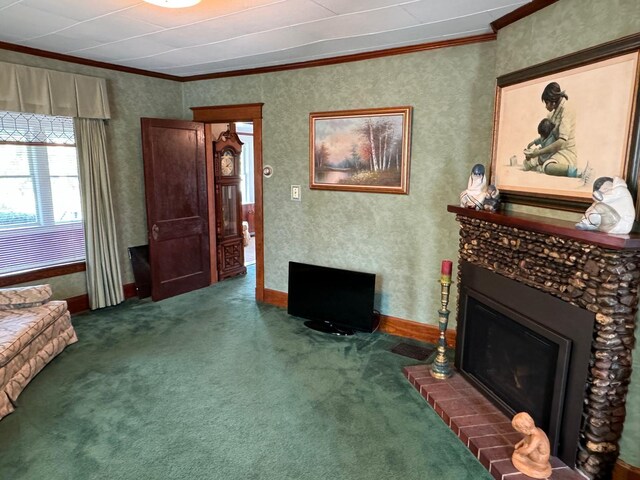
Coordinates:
[211,385]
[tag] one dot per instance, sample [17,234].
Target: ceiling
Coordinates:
[221,36]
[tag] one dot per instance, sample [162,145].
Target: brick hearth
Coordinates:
[485,430]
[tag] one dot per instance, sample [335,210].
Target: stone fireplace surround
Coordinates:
[592,270]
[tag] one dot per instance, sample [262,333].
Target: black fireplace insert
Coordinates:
[526,351]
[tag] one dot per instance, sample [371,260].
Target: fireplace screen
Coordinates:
[520,364]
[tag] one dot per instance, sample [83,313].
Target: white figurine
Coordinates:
[474,195]
[612,211]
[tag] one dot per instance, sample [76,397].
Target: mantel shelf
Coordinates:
[552,226]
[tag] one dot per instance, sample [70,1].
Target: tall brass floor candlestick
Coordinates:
[440,367]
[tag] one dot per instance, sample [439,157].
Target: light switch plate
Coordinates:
[295,192]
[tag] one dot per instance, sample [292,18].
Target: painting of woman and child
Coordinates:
[360,150]
[556,134]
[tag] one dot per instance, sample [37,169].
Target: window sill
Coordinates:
[31,275]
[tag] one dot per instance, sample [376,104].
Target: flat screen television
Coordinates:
[333,300]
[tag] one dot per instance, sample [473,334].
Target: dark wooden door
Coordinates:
[177,216]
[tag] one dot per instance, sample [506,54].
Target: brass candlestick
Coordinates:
[440,367]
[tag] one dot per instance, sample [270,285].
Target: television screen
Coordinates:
[340,298]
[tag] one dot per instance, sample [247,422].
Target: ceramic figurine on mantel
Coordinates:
[492,200]
[531,454]
[612,210]
[474,195]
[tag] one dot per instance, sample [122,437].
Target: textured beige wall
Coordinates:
[130,97]
[401,238]
[562,28]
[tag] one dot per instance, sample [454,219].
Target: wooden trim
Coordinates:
[552,226]
[38,144]
[415,330]
[258,206]
[519,13]
[398,327]
[624,471]
[247,112]
[130,290]
[275,297]
[356,57]
[56,271]
[211,205]
[85,61]
[80,303]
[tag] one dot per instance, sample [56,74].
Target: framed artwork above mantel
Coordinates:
[560,125]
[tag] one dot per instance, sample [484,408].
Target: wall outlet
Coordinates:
[295,192]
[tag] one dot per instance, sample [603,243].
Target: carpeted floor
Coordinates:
[210,385]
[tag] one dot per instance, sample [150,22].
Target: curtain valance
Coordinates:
[49,92]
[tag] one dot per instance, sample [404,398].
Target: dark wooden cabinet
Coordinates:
[230,252]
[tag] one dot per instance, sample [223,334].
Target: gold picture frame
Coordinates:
[360,150]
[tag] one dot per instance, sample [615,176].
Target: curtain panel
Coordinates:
[49,92]
[104,284]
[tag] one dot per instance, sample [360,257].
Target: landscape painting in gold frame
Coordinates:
[360,150]
[592,112]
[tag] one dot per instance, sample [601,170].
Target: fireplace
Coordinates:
[525,351]
[574,294]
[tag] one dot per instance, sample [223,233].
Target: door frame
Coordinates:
[248,112]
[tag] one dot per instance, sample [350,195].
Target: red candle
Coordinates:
[447,267]
[445,271]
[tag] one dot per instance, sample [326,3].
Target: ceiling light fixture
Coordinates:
[173,3]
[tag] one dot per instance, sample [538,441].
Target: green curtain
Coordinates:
[104,284]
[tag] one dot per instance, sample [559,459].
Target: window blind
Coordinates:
[40,207]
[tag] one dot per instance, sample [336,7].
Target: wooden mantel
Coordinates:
[552,226]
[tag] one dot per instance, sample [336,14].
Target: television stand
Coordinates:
[328,327]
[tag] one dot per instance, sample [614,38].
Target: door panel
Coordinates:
[177,214]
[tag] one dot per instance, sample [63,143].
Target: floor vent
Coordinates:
[413,351]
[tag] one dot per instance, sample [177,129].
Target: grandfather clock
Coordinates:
[228,205]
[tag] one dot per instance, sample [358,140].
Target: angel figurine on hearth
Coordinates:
[474,195]
[531,454]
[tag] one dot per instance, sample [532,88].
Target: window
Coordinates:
[40,208]
[245,133]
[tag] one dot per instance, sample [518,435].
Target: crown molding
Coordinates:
[85,61]
[519,13]
[356,57]
[496,25]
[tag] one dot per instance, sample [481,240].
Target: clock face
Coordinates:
[227,163]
